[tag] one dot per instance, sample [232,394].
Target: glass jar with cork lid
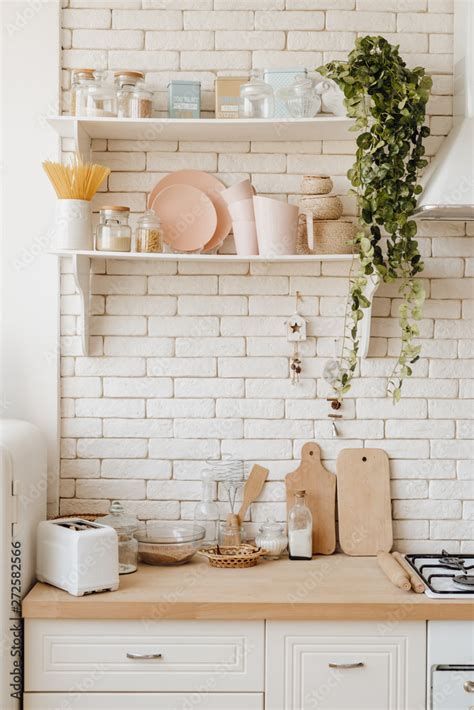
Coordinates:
[113,232]
[134,99]
[91,95]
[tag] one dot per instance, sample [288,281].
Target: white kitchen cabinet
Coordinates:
[111,656]
[339,665]
[143,701]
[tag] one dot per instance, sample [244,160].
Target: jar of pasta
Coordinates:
[149,233]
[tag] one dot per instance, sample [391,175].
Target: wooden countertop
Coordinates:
[333,587]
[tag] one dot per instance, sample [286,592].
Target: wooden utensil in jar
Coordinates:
[252,489]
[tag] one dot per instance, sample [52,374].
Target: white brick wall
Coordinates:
[192,360]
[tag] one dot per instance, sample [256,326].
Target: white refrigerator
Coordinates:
[23,484]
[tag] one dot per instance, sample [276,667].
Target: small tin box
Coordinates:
[281,79]
[227,89]
[184,99]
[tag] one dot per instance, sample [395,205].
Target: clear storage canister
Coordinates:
[256,99]
[134,99]
[124,525]
[149,234]
[113,231]
[91,95]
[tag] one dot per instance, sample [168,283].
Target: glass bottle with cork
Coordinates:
[300,529]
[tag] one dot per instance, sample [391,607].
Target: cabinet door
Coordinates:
[143,701]
[345,665]
[144,656]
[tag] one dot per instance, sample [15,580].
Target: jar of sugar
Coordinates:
[300,529]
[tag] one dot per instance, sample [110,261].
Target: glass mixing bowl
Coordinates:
[169,543]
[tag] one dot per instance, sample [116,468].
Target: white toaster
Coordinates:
[77,555]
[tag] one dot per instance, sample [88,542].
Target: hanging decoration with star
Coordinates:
[296,333]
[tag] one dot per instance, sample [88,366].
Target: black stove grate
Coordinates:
[412,559]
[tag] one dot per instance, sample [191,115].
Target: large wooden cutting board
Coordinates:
[363,502]
[320,487]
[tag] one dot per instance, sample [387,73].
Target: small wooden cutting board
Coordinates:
[320,487]
[363,502]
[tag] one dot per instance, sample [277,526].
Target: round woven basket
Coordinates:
[330,237]
[322,206]
[240,556]
[316,185]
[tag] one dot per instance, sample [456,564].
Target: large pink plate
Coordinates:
[208,184]
[188,216]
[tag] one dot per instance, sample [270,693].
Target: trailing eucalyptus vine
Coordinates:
[388,102]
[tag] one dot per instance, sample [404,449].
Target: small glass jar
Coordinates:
[206,511]
[300,529]
[125,526]
[113,232]
[91,95]
[134,99]
[229,533]
[149,234]
[272,538]
[301,98]
[256,99]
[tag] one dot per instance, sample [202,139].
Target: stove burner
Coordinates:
[464,580]
[451,561]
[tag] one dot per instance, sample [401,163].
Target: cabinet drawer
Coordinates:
[143,701]
[345,665]
[195,655]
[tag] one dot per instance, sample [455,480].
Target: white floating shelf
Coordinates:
[323,127]
[133,256]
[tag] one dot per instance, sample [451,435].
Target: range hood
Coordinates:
[448,182]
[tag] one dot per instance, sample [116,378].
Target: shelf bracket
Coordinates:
[82,141]
[81,266]
[363,326]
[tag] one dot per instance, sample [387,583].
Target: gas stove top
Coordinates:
[446,576]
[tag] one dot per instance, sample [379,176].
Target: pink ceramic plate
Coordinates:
[212,187]
[188,216]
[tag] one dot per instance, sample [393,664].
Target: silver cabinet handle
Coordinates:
[143,656]
[469,686]
[346,665]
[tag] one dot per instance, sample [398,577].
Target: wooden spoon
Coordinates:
[252,489]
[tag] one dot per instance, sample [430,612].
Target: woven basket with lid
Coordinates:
[330,237]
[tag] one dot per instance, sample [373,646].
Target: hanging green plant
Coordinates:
[388,102]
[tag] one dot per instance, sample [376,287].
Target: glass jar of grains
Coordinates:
[149,234]
[91,95]
[113,231]
[134,99]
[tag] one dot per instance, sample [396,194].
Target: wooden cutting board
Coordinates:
[320,487]
[363,502]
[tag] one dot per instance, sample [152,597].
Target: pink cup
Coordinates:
[277,226]
[242,190]
[242,211]
[245,238]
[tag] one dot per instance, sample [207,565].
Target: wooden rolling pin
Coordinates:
[416,583]
[393,571]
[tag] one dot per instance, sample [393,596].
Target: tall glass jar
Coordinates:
[134,99]
[91,95]
[256,99]
[149,234]
[113,231]
[125,526]
[207,511]
[300,529]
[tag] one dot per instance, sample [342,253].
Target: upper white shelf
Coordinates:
[216,258]
[323,127]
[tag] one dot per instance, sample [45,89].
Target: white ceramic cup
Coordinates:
[72,228]
[242,211]
[245,238]
[242,190]
[277,226]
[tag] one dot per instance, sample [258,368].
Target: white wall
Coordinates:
[30,92]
